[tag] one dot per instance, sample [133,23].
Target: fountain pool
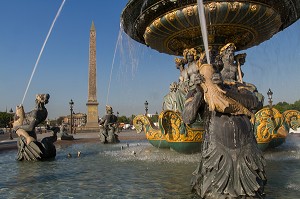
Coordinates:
[137,171]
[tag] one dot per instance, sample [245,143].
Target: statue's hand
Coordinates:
[198,79]
[241,58]
[29,139]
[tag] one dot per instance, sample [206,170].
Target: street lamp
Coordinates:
[270,93]
[10,123]
[146,107]
[71,109]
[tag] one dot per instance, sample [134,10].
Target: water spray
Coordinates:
[113,62]
[42,49]
[203,28]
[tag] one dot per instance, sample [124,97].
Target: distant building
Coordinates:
[79,119]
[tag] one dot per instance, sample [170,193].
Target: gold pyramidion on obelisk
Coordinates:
[92,104]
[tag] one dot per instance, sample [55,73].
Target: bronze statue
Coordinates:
[192,74]
[231,165]
[24,124]
[63,135]
[182,86]
[232,74]
[109,127]
[231,71]
[188,80]
[169,102]
[216,98]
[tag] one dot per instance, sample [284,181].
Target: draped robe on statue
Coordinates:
[231,165]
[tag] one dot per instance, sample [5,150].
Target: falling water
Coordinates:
[203,28]
[143,6]
[113,61]
[42,49]
[129,55]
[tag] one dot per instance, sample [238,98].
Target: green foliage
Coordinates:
[5,118]
[123,119]
[284,106]
[126,120]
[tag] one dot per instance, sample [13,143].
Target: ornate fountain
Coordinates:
[170,26]
[173,26]
[218,113]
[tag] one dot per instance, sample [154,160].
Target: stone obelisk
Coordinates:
[92,104]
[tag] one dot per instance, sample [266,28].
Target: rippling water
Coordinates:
[137,171]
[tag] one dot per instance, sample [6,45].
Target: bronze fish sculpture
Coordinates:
[216,98]
[19,116]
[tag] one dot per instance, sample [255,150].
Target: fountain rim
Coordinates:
[130,19]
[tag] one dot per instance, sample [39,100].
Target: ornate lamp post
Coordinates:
[10,123]
[71,109]
[270,93]
[146,108]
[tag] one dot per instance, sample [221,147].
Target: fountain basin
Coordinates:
[172,132]
[153,134]
[105,171]
[172,26]
[271,129]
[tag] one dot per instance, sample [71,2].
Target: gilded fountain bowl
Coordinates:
[170,26]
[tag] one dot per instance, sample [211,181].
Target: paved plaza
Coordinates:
[8,144]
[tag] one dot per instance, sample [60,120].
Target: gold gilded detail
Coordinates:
[189,11]
[253,8]
[171,16]
[212,6]
[148,30]
[185,32]
[157,23]
[143,123]
[267,123]
[292,119]
[226,47]
[234,6]
[176,131]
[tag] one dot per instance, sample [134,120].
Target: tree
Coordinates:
[123,119]
[60,120]
[296,105]
[5,118]
[131,119]
[284,106]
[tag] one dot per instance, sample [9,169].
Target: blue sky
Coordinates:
[139,73]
